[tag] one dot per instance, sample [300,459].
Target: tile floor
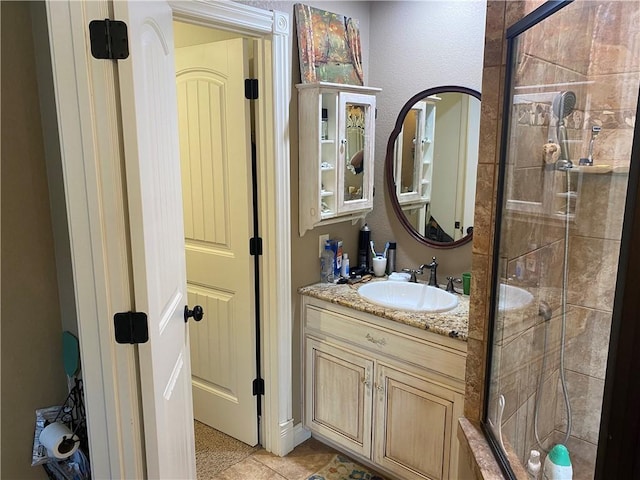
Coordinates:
[306,459]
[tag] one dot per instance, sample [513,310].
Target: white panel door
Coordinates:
[215,152]
[152,158]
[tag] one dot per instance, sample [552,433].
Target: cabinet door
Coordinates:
[356,127]
[338,395]
[413,425]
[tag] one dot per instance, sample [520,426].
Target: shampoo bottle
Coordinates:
[557,465]
[534,465]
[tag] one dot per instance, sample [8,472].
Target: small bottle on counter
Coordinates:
[326,264]
[391,258]
[364,241]
[345,266]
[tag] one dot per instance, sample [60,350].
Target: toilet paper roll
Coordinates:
[59,441]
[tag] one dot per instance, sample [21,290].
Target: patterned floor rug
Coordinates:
[342,468]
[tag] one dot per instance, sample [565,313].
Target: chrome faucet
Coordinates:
[433,266]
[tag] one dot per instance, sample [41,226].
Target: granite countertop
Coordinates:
[454,323]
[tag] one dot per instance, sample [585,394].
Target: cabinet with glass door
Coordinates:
[336,146]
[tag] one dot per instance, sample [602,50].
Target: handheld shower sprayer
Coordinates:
[563,105]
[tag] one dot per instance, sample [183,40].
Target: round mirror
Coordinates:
[431,164]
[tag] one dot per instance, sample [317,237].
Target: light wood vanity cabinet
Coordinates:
[387,393]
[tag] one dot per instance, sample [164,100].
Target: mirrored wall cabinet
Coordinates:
[336,146]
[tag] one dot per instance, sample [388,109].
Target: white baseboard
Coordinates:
[300,434]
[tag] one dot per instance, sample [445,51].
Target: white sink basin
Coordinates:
[512,298]
[415,297]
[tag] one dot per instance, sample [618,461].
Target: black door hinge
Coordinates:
[258,386]
[251,88]
[255,246]
[109,39]
[131,327]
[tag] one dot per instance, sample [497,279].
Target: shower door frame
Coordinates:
[618,449]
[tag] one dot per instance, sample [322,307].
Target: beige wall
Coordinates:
[32,374]
[416,45]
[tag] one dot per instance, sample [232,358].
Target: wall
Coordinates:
[600,56]
[32,374]
[415,46]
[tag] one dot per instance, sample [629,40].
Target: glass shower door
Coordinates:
[571,109]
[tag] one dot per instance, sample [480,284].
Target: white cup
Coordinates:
[379,266]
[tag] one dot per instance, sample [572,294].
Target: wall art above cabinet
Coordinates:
[336,146]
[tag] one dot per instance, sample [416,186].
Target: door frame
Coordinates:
[88,144]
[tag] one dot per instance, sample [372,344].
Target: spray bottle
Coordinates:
[364,240]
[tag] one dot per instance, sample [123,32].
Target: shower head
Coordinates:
[563,104]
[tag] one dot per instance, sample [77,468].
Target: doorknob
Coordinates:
[197,313]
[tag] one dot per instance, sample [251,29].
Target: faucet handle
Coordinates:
[450,282]
[450,285]
[413,273]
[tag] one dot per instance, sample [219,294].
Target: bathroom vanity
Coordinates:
[385,386]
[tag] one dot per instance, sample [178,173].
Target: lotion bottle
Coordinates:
[557,465]
[345,266]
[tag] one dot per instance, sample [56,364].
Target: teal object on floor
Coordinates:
[70,353]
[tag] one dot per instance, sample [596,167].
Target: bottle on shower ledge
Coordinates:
[533,465]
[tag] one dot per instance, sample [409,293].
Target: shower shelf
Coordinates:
[571,195]
[571,216]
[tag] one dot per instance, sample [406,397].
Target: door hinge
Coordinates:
[131,327]
[255,246]
[251,88]
[109,39]
[258,386]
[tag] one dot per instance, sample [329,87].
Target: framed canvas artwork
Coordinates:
[329,46]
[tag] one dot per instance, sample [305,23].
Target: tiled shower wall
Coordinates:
[601,58]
